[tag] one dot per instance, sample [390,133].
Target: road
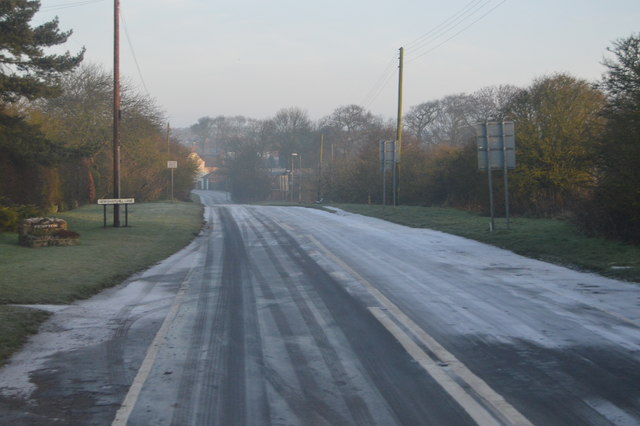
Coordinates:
[287,316]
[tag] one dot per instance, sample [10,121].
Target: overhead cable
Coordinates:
[458,33]
[68,5]
[380,83]
[133,52]
[455,23]
[455,16]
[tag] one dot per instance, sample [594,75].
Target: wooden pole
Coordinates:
[398,143]
[116,111]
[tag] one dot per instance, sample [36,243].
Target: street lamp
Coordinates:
[295,154]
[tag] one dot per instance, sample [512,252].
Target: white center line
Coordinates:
[498,404]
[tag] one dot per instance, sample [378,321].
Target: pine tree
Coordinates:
[615,207]
[26,71]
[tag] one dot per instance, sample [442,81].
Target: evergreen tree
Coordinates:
[26,71]
[615,207]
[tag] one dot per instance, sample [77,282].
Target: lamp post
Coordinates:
[295,154]
[291,180]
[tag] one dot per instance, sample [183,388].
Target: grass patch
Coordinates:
[104,257]
[293,204]
[551,240]
[16,325]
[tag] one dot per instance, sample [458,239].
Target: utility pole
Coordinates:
[398,148]
[116,111]
[168,142]
[320,167]
[169,157]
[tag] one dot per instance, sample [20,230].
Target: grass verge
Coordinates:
[551,240]
[16,325]
[104,257]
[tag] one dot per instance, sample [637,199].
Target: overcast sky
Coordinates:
[255,57]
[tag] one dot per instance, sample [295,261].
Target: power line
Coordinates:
[133,52]
[379,84]
[452,25]
[459,32]
[464,9]
[466,12]
[68,5]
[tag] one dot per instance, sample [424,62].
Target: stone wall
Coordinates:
[46,231]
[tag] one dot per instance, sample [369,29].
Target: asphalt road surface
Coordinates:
[293,316]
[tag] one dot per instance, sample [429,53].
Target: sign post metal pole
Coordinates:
[492,226]
[172,165]
[496,150]
[505,167]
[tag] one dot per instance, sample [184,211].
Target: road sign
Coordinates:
[388,154]
[496,145]
[172,164]
[105,201]
[496,151]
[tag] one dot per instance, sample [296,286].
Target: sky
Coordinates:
[201,58]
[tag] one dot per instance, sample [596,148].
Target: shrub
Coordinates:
[9,219]
[11,214]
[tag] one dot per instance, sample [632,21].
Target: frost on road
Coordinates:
[284,316]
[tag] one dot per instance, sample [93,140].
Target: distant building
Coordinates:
[205,174]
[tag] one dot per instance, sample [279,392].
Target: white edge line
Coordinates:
[129,402]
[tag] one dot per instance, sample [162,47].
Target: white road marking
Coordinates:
[470,405]
[125,410]
[497,402]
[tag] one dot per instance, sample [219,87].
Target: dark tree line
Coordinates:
[613,206]
[578,143]
[56,127]
[578,149]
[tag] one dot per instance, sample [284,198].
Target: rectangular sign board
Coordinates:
[172,164]
[389,154]
[496,145]
[116,201]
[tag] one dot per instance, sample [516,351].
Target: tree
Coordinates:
[490,102]
[557,119]
[614,209]
[25,70]
[203,132]
[453,124]
[248,175]
[27,74]
[420,117]
[289,131]
[350,128]
[80,121]
[82,115]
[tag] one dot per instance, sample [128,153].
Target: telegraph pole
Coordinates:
[169,157]
[168,142]
[320,168]
[398,144]
[116,111]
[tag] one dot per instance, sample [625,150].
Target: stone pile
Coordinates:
[46,231]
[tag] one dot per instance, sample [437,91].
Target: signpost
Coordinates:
[389,158]
[116,202]
[496,151]
[172,165]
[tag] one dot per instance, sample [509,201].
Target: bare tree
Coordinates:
[491,102]
[420,117]
[349,126]
[289,131]
[453,124]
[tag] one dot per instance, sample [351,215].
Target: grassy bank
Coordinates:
[104,257]
[556,241]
